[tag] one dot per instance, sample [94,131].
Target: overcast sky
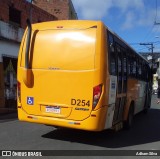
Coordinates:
[133,20]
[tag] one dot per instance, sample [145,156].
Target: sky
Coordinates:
[133,20]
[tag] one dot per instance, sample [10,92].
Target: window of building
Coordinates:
[57,11]
[14,16]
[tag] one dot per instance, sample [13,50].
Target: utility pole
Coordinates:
[156,23]
[151,45]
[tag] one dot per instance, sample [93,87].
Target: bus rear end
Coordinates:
[59,87]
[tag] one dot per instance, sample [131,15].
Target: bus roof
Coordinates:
[66,24]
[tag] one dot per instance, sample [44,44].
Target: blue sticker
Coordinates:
[30,100]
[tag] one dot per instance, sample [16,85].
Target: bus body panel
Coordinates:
[63,49]
[71,92]
[95,122]
[66,64]
[111,101]
[137,93]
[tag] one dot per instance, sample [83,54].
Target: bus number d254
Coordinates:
[79,102]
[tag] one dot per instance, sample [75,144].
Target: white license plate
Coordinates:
[55,110]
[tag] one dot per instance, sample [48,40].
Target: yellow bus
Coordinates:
[79,74]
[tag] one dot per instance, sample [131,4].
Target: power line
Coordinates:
[133,43]
[138,43]
[141,49]
[156,11]
[154,23]
[151,45]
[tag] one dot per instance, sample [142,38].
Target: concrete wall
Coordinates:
[2,96]
[11,32]
[8,48]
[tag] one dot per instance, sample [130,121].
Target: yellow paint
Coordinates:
[67,60]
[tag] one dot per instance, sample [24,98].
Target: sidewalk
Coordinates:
[8,116]
[7,110]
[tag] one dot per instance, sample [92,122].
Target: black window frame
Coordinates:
[14,16]
[112,55]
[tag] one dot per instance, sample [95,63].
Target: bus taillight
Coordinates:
[19,90]
[96,95]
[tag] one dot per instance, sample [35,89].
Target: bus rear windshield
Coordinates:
[62,49]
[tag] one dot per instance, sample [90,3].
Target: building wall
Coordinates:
[62,9]
[8,48]
[23,6]
[11,31]
[2,95]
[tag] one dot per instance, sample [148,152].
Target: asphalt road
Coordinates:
[144,135]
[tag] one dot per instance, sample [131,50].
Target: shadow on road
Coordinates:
[146,129]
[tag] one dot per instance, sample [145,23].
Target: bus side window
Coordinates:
[140,70]
[134,67]
[113,64]
[143,71]
[146,74]
[128,65]
[112,55]
[124,72]
[119,69]
[131,65]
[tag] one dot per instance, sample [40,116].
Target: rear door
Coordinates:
[121,84]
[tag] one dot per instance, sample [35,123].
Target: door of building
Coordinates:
[10,81]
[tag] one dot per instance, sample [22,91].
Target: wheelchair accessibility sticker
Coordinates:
[30,100]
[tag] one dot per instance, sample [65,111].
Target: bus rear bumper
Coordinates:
[95,122]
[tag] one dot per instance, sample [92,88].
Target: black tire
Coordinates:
[145,111]
[128,123]
[147,104]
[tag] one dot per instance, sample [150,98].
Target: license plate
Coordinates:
[52,109]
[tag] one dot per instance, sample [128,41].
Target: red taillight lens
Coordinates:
[96,95]
[19,90]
